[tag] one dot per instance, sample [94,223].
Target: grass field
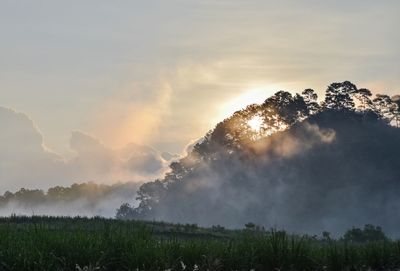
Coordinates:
[46,243]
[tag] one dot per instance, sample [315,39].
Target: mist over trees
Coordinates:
[308,166]
[85,199]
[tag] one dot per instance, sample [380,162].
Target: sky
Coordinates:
[163,73]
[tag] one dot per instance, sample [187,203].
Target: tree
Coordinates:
[148,195]
[250,226]
[6,198]
[310,98]
[363,96]
[383,105]
[29,197]
[284,109]
[8,195]
[125,212]
[396,109]
[374,233]
[57,193]
[326,235]
[370,233]
[339,96]
[218,228]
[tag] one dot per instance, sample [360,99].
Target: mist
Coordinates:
[332,170]
[86,199]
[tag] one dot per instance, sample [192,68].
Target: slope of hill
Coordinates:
[306,167]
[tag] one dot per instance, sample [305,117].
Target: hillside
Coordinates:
[306,167]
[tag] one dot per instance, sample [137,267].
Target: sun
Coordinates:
[256,123]
[248,96]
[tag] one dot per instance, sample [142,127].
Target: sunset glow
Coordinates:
[255,95]
[255,123]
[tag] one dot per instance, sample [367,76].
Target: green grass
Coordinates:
[46,243]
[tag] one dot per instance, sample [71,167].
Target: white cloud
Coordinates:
[95,161]
[23,155]
[25,161]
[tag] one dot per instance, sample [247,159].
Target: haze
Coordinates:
[91,77]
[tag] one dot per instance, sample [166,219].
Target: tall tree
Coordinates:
[383,105]
[396,109]
[310,98]
[363,95]
[288,108]
[339,96]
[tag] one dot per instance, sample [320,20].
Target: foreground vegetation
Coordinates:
[46,243]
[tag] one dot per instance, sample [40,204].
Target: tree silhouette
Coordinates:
[233,134]
[149,194]
[326,235]
[370,233]
[363,96]
[310,98]
[339,96]
[383,106]
[396,109]
[125,211]
[285,107]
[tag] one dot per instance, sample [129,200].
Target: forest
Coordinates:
[295,161]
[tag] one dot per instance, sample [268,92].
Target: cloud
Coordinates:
[25,161]
[24,158]
[20,134]
[95,161]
